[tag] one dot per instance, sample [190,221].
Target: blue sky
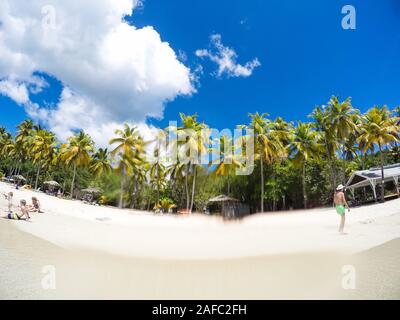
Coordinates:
[305,57]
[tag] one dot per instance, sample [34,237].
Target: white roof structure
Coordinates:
[373,177]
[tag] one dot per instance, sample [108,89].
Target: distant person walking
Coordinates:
[341,205]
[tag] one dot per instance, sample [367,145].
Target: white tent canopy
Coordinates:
[373,177]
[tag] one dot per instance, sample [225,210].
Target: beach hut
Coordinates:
[228,207]
[373,177]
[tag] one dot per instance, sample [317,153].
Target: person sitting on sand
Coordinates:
[341,205]
[9,198]
[35,206]
[24,215]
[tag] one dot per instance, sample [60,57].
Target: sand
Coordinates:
[107,253]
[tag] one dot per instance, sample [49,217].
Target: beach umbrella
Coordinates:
[222,198]
[52,183]
[92,191]
[19,178]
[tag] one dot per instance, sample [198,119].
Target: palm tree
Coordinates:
[24,130]
[130,151]
[101,164]
[5,141]
[23,141]
[303,148]
[42,143]
[228,161]
[396,113]
[378,128]
[268,144]
[77,152]
[335,122]
[157,173]
[192,146]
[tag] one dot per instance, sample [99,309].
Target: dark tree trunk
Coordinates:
[37,176]
[262,181]
[304,186]
[73,181]
[122,185]
[284,202]
[187,188]
[193,188]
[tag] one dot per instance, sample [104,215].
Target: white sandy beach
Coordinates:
[110,253]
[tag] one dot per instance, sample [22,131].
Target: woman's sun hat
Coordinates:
[340,187]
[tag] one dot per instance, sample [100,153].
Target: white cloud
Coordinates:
[14,90]
[226,59]
[112,72]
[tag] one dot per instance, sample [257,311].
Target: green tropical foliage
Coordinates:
[297,164]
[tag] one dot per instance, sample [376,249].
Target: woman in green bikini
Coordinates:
[341,205]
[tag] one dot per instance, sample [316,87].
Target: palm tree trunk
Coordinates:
[331,160]
[383,176]
[334,174]
[274,200]
[135,193]
[229,186]
[262,181]
[187,187]
[10,171]
[363,158]
[17,168]
[13,171]
[193,188]
[304,186]
[37,176]
[73,181]
[344,165]
[158,187]
[121,196]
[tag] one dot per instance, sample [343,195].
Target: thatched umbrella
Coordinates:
[19,178]
[52,184]
[222,199]
[90,193]
[93,191]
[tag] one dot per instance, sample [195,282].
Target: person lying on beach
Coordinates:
[24,215]
[9,198]
[35,206]
[341,205]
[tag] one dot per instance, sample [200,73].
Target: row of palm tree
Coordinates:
[337,132]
